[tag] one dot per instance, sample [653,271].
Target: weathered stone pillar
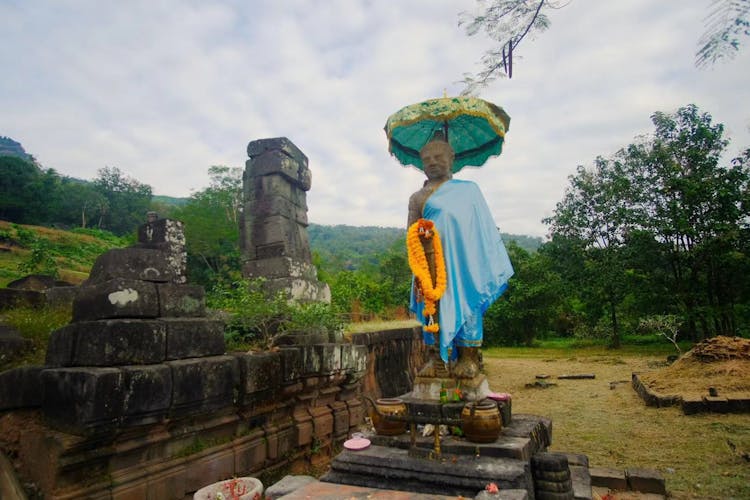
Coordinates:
[273,231]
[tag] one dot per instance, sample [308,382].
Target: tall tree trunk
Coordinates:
[614,342]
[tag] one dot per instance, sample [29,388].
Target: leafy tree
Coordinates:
[592,211]
[28,194]
[80,203]
[127,201]
[530,306]
[509,22]
[696,208]
[727,23]
[662,227]
[16,195]
[211,218]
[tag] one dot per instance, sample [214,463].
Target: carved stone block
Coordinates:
[292,363]
[261,146]
[193,337]
[249,452]
[83,399]
[147,391]
[260,372]
[201,384]
[108,343]
[322,421]
[132,263]
[20,388]
[280,267]
[330,356]
[303,427]
[181,300]
[168,236]
[116,298]
[340,418]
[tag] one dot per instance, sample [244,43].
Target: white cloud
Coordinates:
[163,90]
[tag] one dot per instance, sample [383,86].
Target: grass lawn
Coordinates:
[604,418]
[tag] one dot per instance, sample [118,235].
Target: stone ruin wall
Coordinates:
[138,397]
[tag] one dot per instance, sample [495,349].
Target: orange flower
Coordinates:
[432,292]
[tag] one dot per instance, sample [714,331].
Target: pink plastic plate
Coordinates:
[499,396]
[356,444]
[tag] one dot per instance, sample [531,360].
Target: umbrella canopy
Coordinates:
[474,128]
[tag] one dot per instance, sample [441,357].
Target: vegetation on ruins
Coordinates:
[256,321]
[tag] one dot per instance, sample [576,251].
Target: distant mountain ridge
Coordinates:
[9,147]
[357,247]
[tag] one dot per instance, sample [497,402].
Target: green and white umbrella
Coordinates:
[474,128]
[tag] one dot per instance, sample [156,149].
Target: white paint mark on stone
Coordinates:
[123,297]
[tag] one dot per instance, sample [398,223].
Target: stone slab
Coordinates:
[116,298]
[10,298]
[330,491]
[200,385]
[259,373]
[288,484]
[505,447]
[259,147]
[193,337]
[691,406]
[108,343]
[147,264]
[429,388]
[646,481]
[82,399]
[379,466]
[178,301]
[717,404]
[12,343]
[280,267]
[20,388]
[147,393]
[581,482]
[604,477]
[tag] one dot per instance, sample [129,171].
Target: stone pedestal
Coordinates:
[428,388]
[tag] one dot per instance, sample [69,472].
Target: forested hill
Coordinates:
[10,147]
[355,247]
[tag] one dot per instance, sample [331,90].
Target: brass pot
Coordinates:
[481,421]
[389,407]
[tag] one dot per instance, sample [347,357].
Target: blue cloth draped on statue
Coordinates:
[476,263]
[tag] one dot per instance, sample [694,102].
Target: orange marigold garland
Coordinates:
[431,292]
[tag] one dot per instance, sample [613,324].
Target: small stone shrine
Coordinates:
[139,348]
[273,231]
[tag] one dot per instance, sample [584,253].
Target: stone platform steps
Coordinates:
[394,468]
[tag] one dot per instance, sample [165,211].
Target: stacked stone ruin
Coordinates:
[138,398]
[273,232]
[140,348]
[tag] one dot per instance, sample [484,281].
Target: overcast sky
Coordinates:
[163,89]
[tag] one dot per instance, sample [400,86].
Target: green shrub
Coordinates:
[35,324]
[257,320]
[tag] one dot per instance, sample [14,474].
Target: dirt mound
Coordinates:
[722,363]
[720,348]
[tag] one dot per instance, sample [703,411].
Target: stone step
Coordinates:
[394,468]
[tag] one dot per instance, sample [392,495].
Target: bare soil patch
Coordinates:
[722,363]
[606,420]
